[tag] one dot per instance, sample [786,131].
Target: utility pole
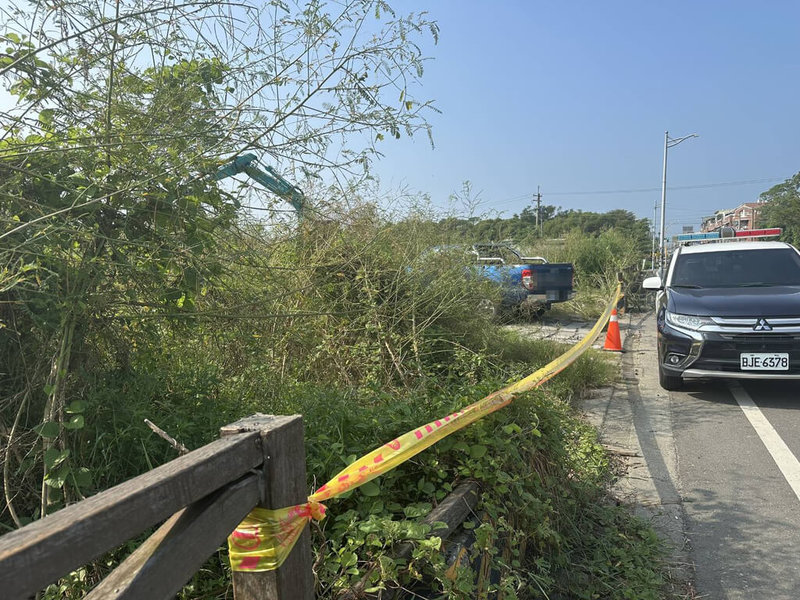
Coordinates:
[653,250]
[539,210]
[662,248]
[668,143]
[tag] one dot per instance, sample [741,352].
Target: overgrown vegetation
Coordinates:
[133,286]
[337,327]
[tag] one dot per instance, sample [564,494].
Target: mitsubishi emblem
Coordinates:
[762,325]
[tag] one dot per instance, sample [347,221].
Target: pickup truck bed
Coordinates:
[550,282]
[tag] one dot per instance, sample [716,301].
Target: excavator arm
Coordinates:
[269,178]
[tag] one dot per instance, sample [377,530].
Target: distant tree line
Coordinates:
[555,222]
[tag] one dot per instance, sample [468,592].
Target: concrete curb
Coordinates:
[634,423]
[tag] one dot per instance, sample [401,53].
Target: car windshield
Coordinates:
[732,268]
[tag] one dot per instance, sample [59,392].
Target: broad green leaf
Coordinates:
[76,422]
[55,482]
[370,527]
[50,429]
[83,477]
[348,559]
[414,511]
[434,543]
[55,496]
[477,451]
[58,478]
[417,531]
[76,407]
[54,457]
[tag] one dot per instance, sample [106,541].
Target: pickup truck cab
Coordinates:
[528,282]
[729,309]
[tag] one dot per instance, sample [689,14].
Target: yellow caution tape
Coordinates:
[266,537]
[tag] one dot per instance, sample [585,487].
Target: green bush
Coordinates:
[599,262]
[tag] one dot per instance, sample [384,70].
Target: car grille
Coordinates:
[723,354]
[744,326]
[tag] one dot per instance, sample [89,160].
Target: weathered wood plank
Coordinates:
[452,511]
[161,566]
[285,479]
[40,553]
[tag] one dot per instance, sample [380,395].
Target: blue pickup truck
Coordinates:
[517,283]
[527,283]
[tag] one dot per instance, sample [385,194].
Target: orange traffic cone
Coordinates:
[613,342]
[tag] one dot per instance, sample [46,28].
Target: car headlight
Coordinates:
[687,321]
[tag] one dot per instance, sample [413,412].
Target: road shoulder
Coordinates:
[634,423]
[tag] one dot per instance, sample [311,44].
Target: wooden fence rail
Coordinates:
[203,495]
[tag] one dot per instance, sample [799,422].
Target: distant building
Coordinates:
[744,216]
[688,229]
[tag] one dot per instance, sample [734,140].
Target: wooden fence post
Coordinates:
[284,474]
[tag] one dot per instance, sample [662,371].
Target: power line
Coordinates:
[646,190]
[676,187]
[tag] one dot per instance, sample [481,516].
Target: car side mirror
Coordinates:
[652,283]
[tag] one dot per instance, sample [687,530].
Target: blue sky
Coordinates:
[576,96]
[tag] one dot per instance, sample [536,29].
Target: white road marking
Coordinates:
[783,457]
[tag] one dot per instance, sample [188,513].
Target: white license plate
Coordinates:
[764,361]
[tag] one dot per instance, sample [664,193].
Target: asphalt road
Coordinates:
[741,511]
[727,455]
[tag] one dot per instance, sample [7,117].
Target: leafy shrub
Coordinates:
[599,262]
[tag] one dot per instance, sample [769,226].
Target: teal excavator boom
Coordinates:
[269,178]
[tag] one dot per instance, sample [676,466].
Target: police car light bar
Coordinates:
[697,237]
[727,233]
[772,232]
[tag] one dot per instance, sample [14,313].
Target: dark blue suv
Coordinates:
[729,309]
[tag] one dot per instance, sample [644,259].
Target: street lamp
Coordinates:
[668,143]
